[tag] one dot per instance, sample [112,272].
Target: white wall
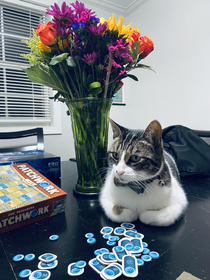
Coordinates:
[178,93]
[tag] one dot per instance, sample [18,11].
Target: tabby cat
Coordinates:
[142,180]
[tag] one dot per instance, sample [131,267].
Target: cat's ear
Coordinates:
[153,132]
[116,128]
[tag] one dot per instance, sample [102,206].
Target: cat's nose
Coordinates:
[120,173]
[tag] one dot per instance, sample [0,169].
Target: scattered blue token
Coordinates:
[54,237]
[145,245]
[154,255]
[146,251]
[104,250]
[91,240]
[80,264]
[119,249]
[89,235]
[129,246]
[106,236]
[29,257]
[25,273]
[140,262]
[146,258]
[40,274]
[51,265]
[97,252]
[18,258]
[44,184]
[114,238]
[111,243]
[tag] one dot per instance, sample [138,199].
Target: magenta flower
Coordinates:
[90,58]
[119,48]
[97,29]
[81,12]
[114,64]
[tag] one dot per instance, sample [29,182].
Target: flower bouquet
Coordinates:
[85,59]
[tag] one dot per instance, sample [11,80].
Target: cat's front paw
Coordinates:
[123,214]
[150,218]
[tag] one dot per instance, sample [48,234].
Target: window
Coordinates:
[22,103]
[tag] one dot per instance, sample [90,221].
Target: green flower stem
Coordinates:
[108,77]
[72,82]
[66,82]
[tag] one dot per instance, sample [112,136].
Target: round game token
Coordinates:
[44,184]
[129,246]
[73,270]
[54,237]
[119,231]
[80,264]
[127,225]
[119,249]
[51,265]
[18,258]
[154,255]
[89,235]
[47,258]
[97,252]
[91,240]
[106,230]
[106,236]
[145,251]
[139,235]
[111,243]
[40,274]
[140,262]
[146,258]
[104,250]
[25,273]
[29,257]
[114,238]
[145,245]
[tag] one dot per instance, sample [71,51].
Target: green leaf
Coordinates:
[44,74]
[132,77]
[57,59]
[144,66]
[70,61]
[96,91]
[95,85]
[90,80]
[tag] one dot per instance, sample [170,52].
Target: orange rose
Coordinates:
[47,34]
[133,38]
[146,46]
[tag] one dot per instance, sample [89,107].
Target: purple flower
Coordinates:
[62,18]
[79,7]
[90,58]
[119,48]
[97,29]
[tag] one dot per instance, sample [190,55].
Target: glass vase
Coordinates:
[90,122]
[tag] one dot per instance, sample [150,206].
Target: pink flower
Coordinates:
[114,64]
[90,58]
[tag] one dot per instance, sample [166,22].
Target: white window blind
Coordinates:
[20,99]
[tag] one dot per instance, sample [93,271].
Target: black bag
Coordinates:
[191,153]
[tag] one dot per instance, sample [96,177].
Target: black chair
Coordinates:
[22,134]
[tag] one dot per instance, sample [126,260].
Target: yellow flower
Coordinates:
[63,43]
[112,26]
[43,48]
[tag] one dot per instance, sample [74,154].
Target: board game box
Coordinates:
[26,196]
[47,164]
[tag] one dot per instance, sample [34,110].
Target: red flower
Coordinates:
[47,34]
[146,46]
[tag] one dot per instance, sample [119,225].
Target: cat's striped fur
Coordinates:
[143,180]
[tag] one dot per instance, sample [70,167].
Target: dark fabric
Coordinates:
[191,153]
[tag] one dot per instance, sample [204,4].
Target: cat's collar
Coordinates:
[137,186]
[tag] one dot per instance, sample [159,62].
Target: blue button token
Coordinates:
[25,273]
[140,262]
[29,257]
[54,237]
[44,184]
[146,251]
[80,264]
[89,235]
[91,240]
[111,243]
[146,258]
[18,258]
[154,255]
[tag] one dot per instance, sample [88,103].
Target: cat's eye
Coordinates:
[115,155]
[135,159]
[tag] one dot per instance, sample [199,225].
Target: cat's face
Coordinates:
[135,154]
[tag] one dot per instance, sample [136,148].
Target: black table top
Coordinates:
[182,247]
